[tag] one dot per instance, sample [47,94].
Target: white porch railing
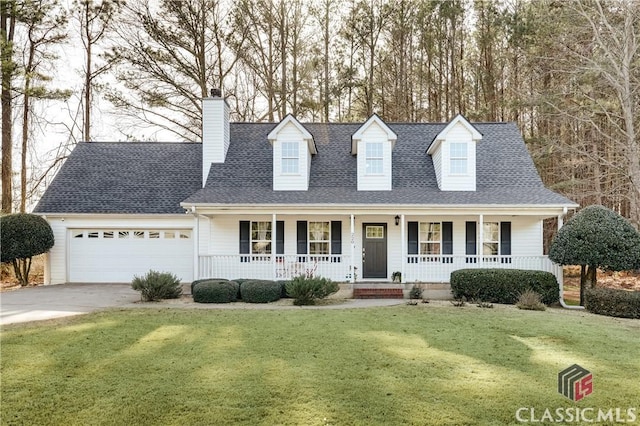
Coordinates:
[285,267]
[438,268]
[421,268]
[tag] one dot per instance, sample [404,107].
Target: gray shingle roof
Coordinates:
[505,172]
[103,177]
[122,177]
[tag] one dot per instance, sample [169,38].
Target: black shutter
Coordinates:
[505,240]
[470,241]
[447,237]
[302,239]
[412,240]
[336,240]
[245,240]
[280,237]
[447,242]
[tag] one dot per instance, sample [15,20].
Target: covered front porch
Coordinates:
[414,246]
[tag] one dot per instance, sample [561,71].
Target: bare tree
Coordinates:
[168,57]
[95,18]
[44,25]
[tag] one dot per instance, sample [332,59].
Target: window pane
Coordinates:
[154,234]
[185,234]
[458,150]
[490,248]
[261,247]
[107,234]
[491,232]
[138,234]
[458,166]
[290,165]
[318,248]
[123,234]
[92,234]
[318,231]
[374,231]
[374,166]
[169,234]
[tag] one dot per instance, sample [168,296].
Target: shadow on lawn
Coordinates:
[385,366]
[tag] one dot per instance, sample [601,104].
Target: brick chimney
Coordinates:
[215,131]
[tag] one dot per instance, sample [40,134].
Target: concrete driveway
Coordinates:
[55,301]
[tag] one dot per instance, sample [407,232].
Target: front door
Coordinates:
[374,250]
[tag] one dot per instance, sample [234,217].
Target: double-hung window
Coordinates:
[491,238]
[458,158]
[322,240]
[430,240]
[261,238]
[319,237]
[374,158]
[290,157]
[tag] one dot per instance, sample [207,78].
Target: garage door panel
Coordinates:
[110,258]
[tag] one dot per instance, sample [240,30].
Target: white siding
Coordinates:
[215,133]
[437,165]
[291,182]
[452,182]
[377,182]
[60,256]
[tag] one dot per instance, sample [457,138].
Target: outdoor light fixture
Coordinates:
[397,220]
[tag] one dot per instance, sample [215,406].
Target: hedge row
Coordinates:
[215,291]
[613,303]
[219,290]
[503,285]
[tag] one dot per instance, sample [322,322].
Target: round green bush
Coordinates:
[215,291]
[24,235]
[260,291]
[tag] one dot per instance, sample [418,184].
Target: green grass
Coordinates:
[402,365]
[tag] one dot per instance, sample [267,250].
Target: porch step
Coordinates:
[377,293]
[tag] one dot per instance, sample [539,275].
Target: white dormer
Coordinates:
[293,147]
[373,144]
[454,155]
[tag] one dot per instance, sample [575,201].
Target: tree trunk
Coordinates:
[7,23]
[583,285]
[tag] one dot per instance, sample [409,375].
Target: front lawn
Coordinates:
[420,364]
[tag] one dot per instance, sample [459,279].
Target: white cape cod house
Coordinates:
[351,202]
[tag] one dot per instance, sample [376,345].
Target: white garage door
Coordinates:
[116,255]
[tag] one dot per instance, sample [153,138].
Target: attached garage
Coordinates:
[116,255]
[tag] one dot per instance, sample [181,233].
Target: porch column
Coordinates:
[196,246]
[274,265]
[353,249]
[403,248]
[481,240]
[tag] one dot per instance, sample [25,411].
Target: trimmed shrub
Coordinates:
[154,286]
[193,284]
[613,303]
[306,290]
[260,291]
[503,285]
[215,291]
[22,236]
[530,301]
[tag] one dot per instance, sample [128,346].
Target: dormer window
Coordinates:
[290,158]
[374,158]
[458,157]
[293,147]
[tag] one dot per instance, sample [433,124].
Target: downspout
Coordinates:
[561,274]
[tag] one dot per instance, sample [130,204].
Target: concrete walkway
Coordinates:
[57,301]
